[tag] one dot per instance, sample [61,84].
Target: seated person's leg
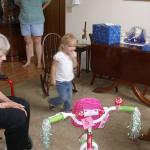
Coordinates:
[28,143]
[24,103]
[14,123]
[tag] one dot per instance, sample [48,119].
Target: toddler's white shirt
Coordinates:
[64,69]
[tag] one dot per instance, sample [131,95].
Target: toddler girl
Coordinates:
[62,72]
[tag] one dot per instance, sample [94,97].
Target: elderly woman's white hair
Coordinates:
[4,44]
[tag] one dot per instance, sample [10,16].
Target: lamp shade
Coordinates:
[75,2]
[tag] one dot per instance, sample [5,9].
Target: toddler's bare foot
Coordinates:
[26,65]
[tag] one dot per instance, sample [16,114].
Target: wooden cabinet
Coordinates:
[12,32]
[55,17]
[9,25]
[128,63]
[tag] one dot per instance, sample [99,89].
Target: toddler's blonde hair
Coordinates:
[66,39]
[4,44]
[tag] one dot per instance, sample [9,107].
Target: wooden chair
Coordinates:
[50,46]
[5,78]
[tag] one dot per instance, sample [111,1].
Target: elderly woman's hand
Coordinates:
[10,104]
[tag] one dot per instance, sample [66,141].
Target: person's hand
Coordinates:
[12,105]
[72,54]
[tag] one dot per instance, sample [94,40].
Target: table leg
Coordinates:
[108,88]
[79,63]
[87,59]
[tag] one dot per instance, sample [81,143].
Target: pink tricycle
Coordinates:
[89,114]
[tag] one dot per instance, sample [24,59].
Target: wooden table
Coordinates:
[80,49]
[122,63]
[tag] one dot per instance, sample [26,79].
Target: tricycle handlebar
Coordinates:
[62,115]
[135,127]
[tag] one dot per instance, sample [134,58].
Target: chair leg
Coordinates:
[116,89]
[11,87]
[93,79]
[43,84]
[74,87]
[47,84]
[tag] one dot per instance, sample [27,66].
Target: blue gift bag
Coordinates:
[106,34]
[146,48]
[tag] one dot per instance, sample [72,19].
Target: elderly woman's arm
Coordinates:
[5,102]
[4,98]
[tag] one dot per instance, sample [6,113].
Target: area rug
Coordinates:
[65,136]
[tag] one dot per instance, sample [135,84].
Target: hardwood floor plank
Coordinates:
[17,73]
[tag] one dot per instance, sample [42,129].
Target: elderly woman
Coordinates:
[14,113]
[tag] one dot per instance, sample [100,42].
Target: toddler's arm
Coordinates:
[73,56]
[53,73]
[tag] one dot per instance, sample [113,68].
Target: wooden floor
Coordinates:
[17,73]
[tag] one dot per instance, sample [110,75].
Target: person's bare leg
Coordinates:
[38,49]
[29,50]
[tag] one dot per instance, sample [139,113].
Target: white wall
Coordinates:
[126,13]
